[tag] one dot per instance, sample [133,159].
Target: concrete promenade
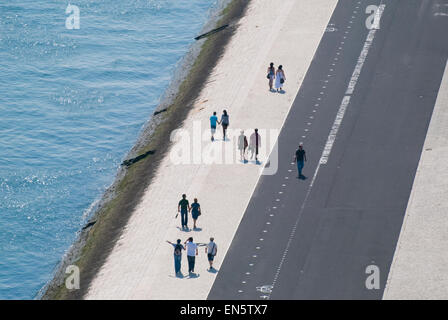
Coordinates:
[141,264]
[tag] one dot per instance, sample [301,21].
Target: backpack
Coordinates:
[178,250]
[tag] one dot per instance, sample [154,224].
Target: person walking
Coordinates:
[213,121]
[178,247]
[242,145]
[192,252]
[211,250]
[271,75]
[184,207]
[224,123]
[195,211]
[300,158]
[280,78]
[255,144]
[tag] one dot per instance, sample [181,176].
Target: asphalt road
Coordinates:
[314,238]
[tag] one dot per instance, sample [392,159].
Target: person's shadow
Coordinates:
[302,177]
[179,276]
[197,229]
[213,270]
[193,275]
[183,229]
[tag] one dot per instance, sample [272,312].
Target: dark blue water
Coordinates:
[72,103]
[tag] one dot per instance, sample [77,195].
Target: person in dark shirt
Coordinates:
[184,207]
[300,159]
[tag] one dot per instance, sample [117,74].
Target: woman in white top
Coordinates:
[280,78]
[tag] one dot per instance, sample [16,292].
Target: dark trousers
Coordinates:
[177,261]
[184,217]
[191,260]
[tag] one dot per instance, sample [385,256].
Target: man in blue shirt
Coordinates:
[213,121]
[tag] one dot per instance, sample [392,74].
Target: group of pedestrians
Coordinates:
[254,145]
[276,75]
[184,208]
[211,249]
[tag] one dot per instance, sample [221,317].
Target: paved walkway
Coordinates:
[420,266]
[141,264]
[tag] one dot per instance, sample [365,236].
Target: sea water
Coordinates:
[73,99]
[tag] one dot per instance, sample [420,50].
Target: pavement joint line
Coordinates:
[333,133]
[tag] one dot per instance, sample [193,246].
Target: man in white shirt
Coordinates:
[192,252]
[211,249]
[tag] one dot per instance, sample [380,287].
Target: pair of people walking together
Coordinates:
[184,208]
[276,75]
[254,145]
[224,123]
